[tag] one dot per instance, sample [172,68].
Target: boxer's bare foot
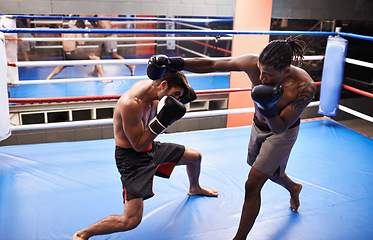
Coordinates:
[203,191]
[132,69]
[294,197]
[94,72]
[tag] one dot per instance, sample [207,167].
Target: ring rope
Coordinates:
[144,61]
[67,80]
[359,63]
[109,61]
[194,26]
[210,46]
[361,92]
[134,39]
[192,51]
[109,97]
[355,113]
[192,20]
[141,61]
[67,23]
[106,97]
[181,31]
[166,31]
[96,46]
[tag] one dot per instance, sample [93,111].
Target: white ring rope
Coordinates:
[67,23]
[102,62]
[77,62]
[355,113]
[29,82]
[119,39]
[193,26]
[359,63]
[191,51]
[96,46]
[110,120]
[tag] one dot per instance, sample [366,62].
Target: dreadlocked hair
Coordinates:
[280,53]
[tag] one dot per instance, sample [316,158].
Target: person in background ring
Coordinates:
[71,51]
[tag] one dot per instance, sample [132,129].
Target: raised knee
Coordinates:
[198,156]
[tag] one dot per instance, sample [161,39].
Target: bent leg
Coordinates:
[94,72]
[192,160]
[116,223]
[251,205]
[130,67]
[98,68]
[55,71]
[293,188]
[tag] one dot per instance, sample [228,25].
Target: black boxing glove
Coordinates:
[189,95]
[93,23]
[266,96]
[175,64]
[159,64]
[168,111]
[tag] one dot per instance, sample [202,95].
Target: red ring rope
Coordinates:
[210,46]
[367,94]
[106,97]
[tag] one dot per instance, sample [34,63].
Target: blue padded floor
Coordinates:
[94,88]
[49,191]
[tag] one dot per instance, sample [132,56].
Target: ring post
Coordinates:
[249,14]
[10,50]
[4,104]
[332,75]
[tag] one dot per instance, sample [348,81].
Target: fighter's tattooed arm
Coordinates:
[304,97]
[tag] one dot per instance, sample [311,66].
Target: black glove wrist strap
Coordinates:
[269,113]
[175,64]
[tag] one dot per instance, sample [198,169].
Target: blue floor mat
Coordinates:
[49,191]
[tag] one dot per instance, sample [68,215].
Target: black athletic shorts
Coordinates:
[137,169]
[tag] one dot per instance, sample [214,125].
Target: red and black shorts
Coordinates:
[137,169]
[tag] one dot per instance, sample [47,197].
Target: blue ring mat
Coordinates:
[49,191]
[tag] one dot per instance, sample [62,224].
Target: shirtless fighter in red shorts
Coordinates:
[138,118]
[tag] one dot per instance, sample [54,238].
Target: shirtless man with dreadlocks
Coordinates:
[281,92]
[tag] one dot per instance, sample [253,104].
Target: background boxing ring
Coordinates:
[49,191]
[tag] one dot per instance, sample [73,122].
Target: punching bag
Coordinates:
[332,76]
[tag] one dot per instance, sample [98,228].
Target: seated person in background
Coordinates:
[71,51]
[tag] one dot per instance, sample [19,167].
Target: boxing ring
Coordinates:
[51,190]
